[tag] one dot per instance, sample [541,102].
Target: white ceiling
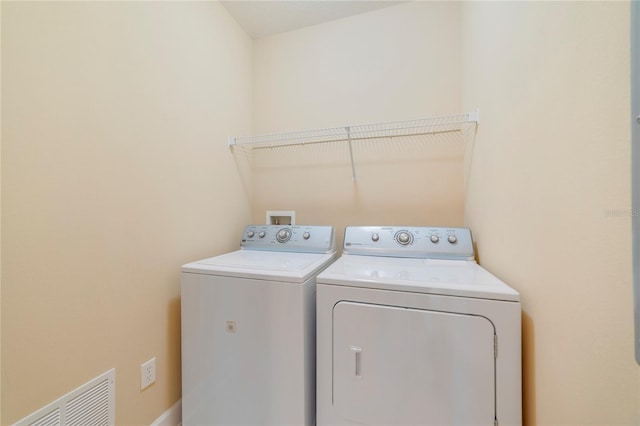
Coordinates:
[264,18]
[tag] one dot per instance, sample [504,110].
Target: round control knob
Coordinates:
[250,234]
[375,237]
[261,234]
[403,238]
[434,239]
[306,235]
[452,239]
[283,235]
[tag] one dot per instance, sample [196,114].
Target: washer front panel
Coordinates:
[248,351]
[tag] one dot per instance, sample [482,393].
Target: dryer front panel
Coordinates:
[400,366]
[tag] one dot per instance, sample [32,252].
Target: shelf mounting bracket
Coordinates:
[353,167]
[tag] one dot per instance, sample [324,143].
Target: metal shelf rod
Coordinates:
[353,139]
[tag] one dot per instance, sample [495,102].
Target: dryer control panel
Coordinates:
[291,238]
[409,241]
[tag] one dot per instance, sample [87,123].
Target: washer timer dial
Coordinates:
[283,235]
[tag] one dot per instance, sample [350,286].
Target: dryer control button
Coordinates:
[306,235]
[250,234]
[452,239]
[375,237]
[261,234]
[434,239]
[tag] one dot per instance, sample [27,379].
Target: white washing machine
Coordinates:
[412,331]
[248,329]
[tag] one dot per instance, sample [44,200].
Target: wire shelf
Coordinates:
[423,126]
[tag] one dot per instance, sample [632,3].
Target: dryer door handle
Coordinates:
[357,361]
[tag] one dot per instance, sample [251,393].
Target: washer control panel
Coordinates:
[409,241]
[302,239]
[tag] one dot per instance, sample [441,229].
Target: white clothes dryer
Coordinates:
[248,329]
[412,331]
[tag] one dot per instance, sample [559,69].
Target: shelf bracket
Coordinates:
[475,116]
[353,167]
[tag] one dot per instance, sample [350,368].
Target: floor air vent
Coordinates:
[91,404]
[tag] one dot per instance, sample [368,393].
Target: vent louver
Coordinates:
[91,404]
[51,419]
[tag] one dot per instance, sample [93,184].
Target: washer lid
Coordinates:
[264,265]
[444,277]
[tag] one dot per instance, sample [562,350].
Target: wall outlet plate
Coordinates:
[148,373]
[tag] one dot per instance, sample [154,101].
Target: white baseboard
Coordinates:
[171,417]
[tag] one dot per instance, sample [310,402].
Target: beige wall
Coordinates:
[397,63]
[549,196]
[115,171]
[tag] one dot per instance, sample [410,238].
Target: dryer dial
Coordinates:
[404,237]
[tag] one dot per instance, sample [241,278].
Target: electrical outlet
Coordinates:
[148,373]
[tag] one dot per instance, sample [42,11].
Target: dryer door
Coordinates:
[399,366]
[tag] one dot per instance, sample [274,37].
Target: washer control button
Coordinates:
[283,235]
[434,239]
[452,239]
[306,235]
[403,237]
[375,237]
[261,234]
[250,234]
